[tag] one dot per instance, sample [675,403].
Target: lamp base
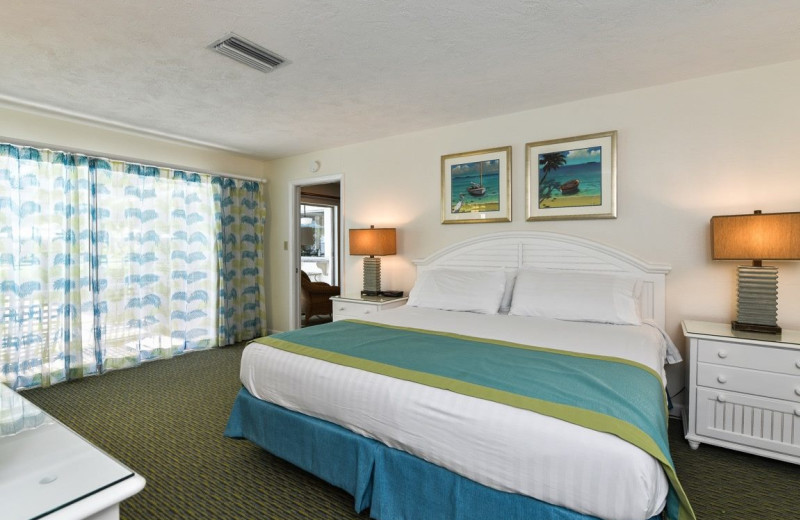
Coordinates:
[758,300]
[755,327]
[372,276]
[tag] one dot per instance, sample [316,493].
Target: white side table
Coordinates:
[50,472]
[744,390]
[362,306]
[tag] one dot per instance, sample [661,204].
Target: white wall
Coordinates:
[687,151]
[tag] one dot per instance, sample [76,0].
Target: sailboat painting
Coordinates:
[480,181]
[476,186]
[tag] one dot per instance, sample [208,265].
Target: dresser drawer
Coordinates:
[755,382]
[766,424]
[757,357]
[353,309]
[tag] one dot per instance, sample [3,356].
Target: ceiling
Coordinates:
[363,69]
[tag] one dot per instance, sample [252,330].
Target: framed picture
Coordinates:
[476,186]
[572,178]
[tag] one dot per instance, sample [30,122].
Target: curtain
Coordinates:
[240,257]
[106,264]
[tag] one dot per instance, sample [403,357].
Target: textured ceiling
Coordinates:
[364,69]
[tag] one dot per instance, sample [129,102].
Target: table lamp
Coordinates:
[373,243]
[756,237]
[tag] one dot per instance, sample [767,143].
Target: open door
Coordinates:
[316,241]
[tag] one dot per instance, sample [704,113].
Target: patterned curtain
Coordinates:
[105,264]
[240,226]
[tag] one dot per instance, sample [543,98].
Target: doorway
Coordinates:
[316,240]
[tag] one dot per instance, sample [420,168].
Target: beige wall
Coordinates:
[29,127]
[686,151]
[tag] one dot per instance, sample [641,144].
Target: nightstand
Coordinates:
[744,390]
[361,306]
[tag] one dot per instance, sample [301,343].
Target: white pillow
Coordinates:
[577,296]
[459,290]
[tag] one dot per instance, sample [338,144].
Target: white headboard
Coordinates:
[546,250]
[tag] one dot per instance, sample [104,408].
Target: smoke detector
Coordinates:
[247,52]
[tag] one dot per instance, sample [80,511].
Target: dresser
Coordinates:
[48,471]
[358,307]
[744,390]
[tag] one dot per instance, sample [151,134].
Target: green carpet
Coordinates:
[165,421]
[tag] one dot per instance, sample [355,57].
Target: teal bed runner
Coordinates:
[606,394]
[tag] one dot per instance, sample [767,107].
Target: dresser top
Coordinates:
[47,467]
[723,330]
[369,299]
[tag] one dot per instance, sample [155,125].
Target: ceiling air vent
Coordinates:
[247,52]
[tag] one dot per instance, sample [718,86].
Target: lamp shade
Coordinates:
[373,242]
[771,236]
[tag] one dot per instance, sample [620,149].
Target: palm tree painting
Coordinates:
[570,178]
[547,163]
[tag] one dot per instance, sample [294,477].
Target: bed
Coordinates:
[524,379]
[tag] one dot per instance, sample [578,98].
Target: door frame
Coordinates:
[294,238]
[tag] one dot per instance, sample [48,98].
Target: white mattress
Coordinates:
[496,445]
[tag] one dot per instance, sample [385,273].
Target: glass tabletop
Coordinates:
[724,330]
[45,466]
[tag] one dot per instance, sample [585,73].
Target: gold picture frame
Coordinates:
[572,178]
[476,186]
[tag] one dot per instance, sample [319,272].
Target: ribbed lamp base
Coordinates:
[758,300]
[372,276]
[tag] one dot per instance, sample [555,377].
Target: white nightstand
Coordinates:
[744,390]
[360,306]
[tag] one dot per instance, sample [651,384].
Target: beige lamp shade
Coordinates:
[373,241]
[771,236]
[756,237]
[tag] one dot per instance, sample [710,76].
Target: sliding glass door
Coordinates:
[319,242]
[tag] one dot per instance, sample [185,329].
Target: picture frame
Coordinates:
[476,186]
[572,178]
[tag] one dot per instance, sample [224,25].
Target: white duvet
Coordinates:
[496,445]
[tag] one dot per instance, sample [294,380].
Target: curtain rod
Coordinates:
[33,144]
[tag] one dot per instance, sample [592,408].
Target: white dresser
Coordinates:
[48,471]
[362,306]
[744,390]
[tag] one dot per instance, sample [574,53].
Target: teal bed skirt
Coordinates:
[392,484]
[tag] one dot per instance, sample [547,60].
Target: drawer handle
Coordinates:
[721,398]
[797,411]
[797,391]
[797,363]
[367,311]
[722,379]
[722,354]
